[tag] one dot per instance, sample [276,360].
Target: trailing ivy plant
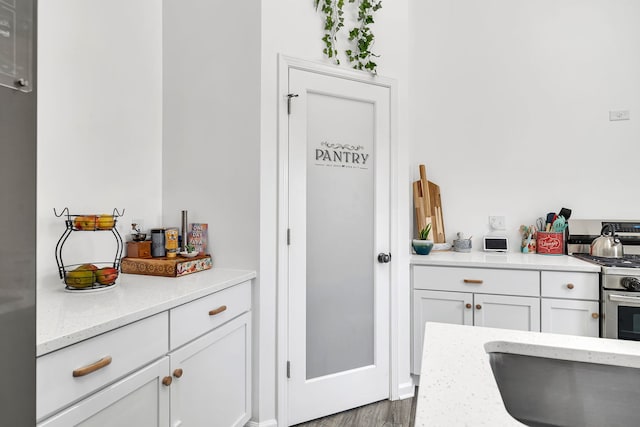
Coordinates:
[361,37]
[360,55]
[333,22]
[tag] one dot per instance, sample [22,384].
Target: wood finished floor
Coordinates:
[386,413]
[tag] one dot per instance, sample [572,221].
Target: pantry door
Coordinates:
[338,220]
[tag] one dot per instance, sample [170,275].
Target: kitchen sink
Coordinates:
[549,391]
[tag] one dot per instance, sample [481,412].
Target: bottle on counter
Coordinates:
[171,242]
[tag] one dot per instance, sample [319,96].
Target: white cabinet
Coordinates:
[69,374]
[463,308]
[437,306]
[530,300]
[570,303]
[489,297]
[212,378]
[571,317]
[506,312]
[139,399]
[188,366]
[482,280]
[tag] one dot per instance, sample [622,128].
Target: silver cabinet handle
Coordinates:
[624,298]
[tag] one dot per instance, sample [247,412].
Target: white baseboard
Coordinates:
[268,423]
[406,390]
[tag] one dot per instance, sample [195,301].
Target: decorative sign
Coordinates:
[342,156]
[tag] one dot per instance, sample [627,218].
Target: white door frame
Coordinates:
[286,63]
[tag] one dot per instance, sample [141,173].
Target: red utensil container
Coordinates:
[550,243]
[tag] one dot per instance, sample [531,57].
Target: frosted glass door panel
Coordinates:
[340,235]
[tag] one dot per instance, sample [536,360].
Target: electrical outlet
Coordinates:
[619,115]
[497,222]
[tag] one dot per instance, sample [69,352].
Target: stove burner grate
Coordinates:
[628,261]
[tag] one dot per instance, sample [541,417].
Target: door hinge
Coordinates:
[288,236]
[288,369]
[289,96]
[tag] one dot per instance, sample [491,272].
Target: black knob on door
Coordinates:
[384,258]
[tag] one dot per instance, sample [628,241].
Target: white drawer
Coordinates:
[477,280]
[129,348]
[195,318]
[563,284]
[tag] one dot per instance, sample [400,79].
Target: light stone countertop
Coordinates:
[65,318]
[457,387]
[505,260]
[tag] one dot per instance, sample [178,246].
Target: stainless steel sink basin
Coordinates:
[548,391]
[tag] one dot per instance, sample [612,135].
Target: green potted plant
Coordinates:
[422,245]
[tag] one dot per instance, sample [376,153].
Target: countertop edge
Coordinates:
[48,345]
[457,386]
[513,261]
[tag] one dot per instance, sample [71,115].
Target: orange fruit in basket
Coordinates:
[85,222]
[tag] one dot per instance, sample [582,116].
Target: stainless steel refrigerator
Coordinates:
[18,207]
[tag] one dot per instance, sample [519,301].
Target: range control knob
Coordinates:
[630,283]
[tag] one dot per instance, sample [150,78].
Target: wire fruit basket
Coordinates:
[93,276]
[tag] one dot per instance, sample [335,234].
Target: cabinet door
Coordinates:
[570,317]
[507,312]
[437,306]
[212,377]
[139,400]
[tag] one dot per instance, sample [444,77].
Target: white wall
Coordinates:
[99,121]
[509,108]
[211,123]
[212,137]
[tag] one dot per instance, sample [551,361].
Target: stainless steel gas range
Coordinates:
[619,277]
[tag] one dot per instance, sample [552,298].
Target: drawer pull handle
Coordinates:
[86,370]
[167,381]
[478,306]
[595,315]
[178,373]
[475,281]
[570,286]
[217,310]
[468,305]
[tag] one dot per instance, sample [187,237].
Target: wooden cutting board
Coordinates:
[436,213]
[428,206]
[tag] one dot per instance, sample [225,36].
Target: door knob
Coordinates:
[384,258]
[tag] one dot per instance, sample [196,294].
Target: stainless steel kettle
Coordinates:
[608,244]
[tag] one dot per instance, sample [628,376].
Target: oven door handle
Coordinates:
[624,298]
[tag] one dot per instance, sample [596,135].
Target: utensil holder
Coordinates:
[550,243]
